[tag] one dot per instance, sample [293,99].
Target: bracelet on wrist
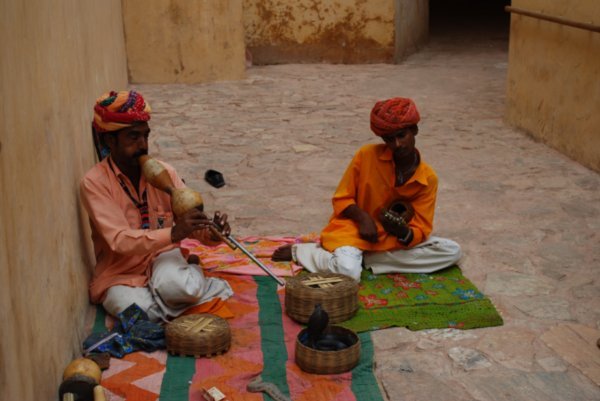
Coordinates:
[407,238]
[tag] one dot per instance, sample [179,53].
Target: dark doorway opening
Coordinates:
[469,21]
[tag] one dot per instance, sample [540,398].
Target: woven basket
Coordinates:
[198,335]
[337,294]
[328,362]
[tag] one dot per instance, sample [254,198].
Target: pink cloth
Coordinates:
[221,258]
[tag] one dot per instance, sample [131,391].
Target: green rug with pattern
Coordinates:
[444,299]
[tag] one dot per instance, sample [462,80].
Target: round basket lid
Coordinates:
[337,294]
[327,281]
[198,335]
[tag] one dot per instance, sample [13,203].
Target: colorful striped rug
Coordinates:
[263,341]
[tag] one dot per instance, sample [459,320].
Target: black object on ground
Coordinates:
[214,178]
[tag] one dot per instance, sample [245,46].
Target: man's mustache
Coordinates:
[140,153]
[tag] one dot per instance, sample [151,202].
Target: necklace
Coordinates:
[141,206]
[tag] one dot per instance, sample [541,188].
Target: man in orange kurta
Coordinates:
[377,176]
[136,240]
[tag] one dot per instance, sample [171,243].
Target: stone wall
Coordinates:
[184,41]
[553,89]
[304,31]
[57,57]
[412,27]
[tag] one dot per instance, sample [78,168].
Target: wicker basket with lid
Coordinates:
[201,335]
[337,294]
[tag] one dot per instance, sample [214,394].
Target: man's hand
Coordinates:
[367,229]
[220,221]
[189,222]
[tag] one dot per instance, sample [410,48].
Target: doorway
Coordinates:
[469,22]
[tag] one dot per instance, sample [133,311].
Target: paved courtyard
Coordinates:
[527,217]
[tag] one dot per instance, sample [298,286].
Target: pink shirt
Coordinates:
[124,251]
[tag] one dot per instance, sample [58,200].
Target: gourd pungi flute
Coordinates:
[184,199]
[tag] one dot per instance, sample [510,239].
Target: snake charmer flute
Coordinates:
[184,199]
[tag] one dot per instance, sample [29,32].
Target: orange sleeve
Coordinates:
[345,194]
[111,223]
[424,205]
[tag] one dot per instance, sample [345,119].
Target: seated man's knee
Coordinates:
[120,297]
[179,286]
[347,262]
[113,305]
[452,249]
[439,246]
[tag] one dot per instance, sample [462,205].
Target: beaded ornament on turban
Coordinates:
[390,116]
[117,110]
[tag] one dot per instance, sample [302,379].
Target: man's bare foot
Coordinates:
[282,254]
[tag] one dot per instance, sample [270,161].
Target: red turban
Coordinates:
[116,110]
[389,116]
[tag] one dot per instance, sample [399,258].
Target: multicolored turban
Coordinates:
[116,110]
[389,116]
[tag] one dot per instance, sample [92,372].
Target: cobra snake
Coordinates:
[256,385]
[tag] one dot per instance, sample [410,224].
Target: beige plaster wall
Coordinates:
[553,89]
[335,31]
[56,58]
[412,27]
[184,41]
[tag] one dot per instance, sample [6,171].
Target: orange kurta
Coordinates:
[369,183]
[124,251]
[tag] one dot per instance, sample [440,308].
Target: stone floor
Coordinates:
[527,217]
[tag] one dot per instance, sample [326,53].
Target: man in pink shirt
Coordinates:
[135,239]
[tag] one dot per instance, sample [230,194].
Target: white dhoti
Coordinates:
[175,286]
[434,254]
